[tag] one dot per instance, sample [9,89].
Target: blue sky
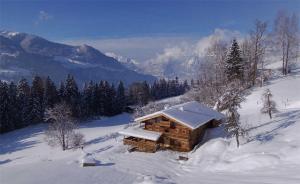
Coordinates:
[113,20]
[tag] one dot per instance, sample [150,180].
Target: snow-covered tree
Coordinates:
[269,106]
[230,102]
[234,66]
[61,125]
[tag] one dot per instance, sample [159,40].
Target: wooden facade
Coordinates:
[175,135]
[141,144]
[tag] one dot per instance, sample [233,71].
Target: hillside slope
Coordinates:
[270,155]
[25,55]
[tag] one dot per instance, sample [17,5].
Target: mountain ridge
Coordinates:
[25,55]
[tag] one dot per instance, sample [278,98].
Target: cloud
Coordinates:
[184,52]
[219,35]
[162,56]
[183,59]
[157,49]
[140,48]
[43,16]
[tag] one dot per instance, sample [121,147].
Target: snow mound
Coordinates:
[248,162]
[88,160]
[221,155]
[209,154]
[153,180]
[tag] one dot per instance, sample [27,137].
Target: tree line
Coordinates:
[23,104]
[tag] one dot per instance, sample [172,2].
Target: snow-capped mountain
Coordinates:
[24,55]
[130,63]
[162,68]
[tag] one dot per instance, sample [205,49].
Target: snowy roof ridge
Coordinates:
[192,114]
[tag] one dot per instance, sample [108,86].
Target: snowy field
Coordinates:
[270,155]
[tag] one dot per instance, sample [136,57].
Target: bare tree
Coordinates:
[211,78]
[247,55]
[217,55]
[61,126]
[258,42]
[269,106]
[76,140]
[286,34]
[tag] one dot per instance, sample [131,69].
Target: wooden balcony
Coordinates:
[141,144]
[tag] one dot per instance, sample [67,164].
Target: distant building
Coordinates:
[179,128]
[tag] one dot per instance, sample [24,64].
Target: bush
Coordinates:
[76,140]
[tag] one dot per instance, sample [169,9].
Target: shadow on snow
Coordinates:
[286,119]
[121,119]
[17,140]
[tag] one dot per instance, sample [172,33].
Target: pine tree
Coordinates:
[192,83]
[185,86]
[145,93]
[120,98]
[51,94]
[72,96]
[234,67]
[14,116]
[154,90]
[100,98]
[109,94]
[4,107]
[23,100]
[37,100]
[61,92]
[88,100]
[113,102]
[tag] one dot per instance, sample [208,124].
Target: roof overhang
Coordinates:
[141,133]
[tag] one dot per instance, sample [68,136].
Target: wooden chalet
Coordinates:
[179,128]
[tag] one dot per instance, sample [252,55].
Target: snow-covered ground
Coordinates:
[270,155]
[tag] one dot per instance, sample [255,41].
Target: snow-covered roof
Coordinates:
[191,114]
[141,133]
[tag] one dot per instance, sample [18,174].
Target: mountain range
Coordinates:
[26,55]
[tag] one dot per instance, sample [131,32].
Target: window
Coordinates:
[172,141]
[172,124]
[158,119]
[177,143]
